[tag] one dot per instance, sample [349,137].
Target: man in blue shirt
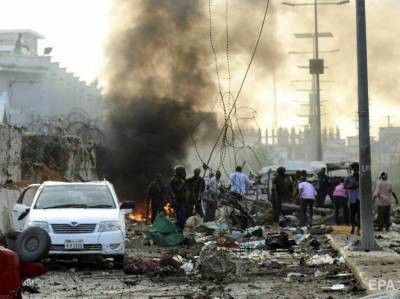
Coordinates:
[238,181]
[351,183]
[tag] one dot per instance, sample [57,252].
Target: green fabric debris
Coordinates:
[164,233]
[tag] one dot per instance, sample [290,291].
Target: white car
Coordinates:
[81,218]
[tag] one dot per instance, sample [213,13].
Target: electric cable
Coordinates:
[243,80]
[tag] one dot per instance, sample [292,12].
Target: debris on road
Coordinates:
[164,233]
[316,260]
[336,287]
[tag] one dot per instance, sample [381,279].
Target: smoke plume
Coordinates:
[158,87]
[161,79]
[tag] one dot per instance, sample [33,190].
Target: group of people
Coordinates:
[181,193]
[346,196]
[184,194]
[284,189]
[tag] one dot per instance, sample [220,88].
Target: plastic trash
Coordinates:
[293,274]
[335,287]
[164,233]
[210,228]
[299,238]
[325,259]
[253,245]
[339,260]
[318,273]
[279,241]
[188,267]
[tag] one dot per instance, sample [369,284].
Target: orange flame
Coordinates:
[168,209]
[136,216]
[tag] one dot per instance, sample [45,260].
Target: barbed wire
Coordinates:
[76,123]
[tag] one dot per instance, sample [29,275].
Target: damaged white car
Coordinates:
[81,218]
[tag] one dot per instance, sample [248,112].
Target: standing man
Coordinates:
[214,186]
[307,195]
[351,183]
[156,196]
[195,185]
[177,195]
[324,185]
[282,189]
[383,192]
[207,180]
[238,181]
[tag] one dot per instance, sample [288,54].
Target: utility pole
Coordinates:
[317,68]
[389,124]
[317,87]
[367,225]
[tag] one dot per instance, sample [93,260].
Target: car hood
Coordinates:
[74,215]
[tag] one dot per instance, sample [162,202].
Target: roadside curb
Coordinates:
[376,271]
[349,263]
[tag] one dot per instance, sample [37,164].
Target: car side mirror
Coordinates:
[24,214]
[127,206]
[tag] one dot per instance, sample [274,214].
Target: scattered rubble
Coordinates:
[317,260]
[212,260]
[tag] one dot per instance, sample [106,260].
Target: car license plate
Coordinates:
[73,244]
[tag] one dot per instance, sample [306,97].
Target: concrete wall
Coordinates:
[66,156]
[10,154]
[8,198]
[37,87]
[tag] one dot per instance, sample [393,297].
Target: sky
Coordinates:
[78,30]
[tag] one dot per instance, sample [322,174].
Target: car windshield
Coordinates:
[75,196]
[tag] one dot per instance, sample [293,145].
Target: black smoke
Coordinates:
[158,88]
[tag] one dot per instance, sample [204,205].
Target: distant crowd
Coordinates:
[343,195]
[184,194]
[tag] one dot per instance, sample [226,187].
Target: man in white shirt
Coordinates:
[238,181]
[307,197]
[207,180]
[214,186]
[383,193]
[215,182]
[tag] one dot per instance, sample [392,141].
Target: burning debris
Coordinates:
[168,210]
[137,216]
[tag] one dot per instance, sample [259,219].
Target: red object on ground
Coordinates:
[9,275]
[231,244]
[31,270]
[13,273]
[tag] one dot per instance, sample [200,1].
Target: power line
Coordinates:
[243,80]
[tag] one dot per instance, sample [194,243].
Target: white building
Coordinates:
[335,150]
[389,146]
[37,87]
[352,149]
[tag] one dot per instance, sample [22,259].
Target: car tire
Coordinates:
[33,244]
[120,261]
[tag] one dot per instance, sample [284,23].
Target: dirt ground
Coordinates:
[98,279]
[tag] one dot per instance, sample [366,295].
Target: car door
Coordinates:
[22,207]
